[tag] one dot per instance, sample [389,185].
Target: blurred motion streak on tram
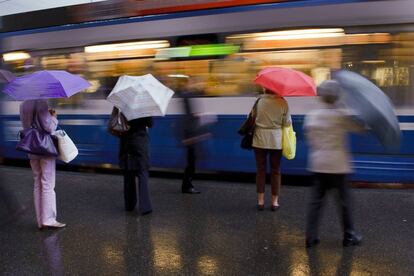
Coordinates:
[222,48]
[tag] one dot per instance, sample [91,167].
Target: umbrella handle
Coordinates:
[119,117]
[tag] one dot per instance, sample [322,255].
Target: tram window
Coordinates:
[390,66]
[197,40]
[387,60]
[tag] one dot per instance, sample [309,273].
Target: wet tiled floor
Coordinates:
[218,232]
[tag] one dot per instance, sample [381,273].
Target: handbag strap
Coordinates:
[119,115]
[253,112]
[34,115]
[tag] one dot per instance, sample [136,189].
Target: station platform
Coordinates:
[218,232]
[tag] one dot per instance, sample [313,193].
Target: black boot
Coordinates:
[311,242]
[191,190]
[188,188]
[351,239]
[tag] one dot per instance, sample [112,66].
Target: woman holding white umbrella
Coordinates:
[139,98]
[134,160]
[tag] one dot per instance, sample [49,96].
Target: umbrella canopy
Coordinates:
[45,85]
[286,82]
[372,106]
[140,96]
[6,76]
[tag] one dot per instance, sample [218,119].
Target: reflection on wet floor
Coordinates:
[216,233]
[51,253]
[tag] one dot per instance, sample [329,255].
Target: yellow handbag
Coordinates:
[288,142]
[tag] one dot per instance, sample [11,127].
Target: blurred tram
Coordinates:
[222,50]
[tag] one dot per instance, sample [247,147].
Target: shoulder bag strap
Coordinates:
[33,124]
[253,112]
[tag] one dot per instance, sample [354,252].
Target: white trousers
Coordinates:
[44,175]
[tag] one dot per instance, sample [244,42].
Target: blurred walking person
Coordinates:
[192,131]
[134,160]
[10,208]
[329,161]
[37,112]
[272,114]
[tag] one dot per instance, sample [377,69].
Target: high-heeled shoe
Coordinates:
[146,212]
[260,207]
[274,207]
[54,226]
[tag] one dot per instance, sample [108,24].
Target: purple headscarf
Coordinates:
[36,112]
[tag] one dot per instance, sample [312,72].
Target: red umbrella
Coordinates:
[286,82]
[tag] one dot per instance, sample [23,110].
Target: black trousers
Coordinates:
[130,191]
[190,168]
[323,183]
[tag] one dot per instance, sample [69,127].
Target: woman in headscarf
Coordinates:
[37,112]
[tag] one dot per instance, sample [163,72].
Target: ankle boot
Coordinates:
[351,240]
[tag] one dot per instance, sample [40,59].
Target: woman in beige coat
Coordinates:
[272,113]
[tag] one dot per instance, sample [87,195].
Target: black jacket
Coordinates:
[134,146]
[190,126]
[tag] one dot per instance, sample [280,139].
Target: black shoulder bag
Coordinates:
[117,124]
[247,128]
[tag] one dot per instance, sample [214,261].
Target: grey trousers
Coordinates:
[323,183]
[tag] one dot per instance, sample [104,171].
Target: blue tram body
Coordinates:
[85,118]
[222,152]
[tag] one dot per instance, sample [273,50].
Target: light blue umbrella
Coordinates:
[372,105]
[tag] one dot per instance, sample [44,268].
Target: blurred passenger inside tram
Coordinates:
[329,161]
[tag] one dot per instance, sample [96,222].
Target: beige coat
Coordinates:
[326,131]
[271,115]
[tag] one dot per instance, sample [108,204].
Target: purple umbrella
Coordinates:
[45,85]
[6,76]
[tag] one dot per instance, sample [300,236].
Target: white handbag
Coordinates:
[66,147]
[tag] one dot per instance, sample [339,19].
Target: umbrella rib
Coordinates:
[60,85]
